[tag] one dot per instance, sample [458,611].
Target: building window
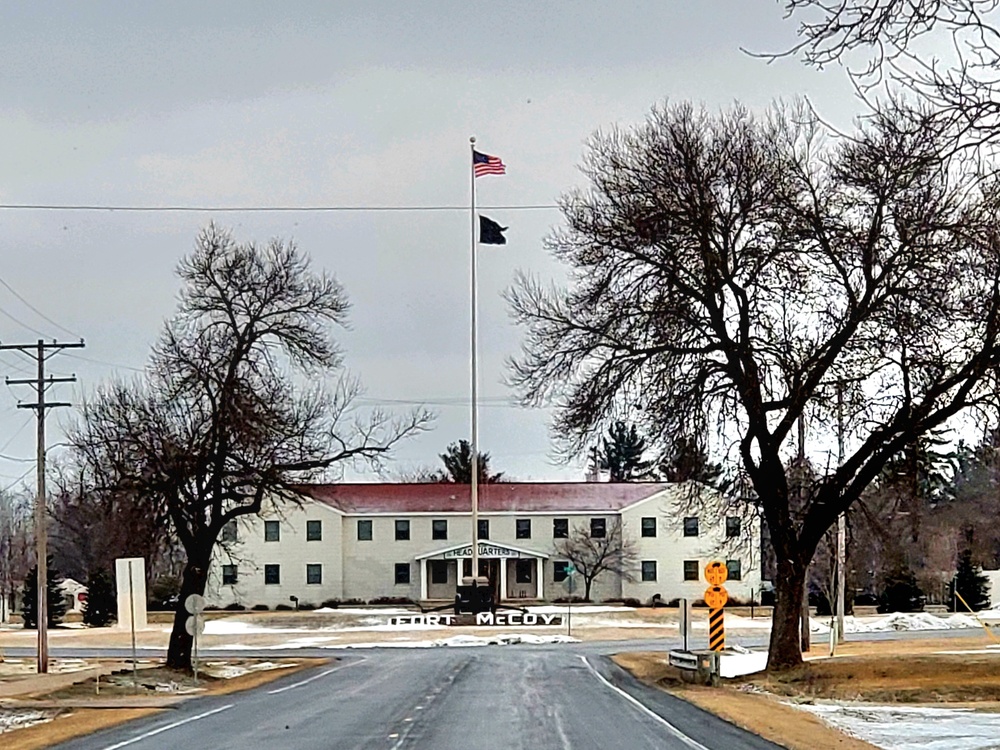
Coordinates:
[559,570]
[560,528]
[522,528]
[439,571]
[439,529]
[484,529]
[649,570]
[314,531]
[228,575]
[402,572]
[402,531]
[522,571]
[691,526]
[732,527]
[272,531]
[314,573]
[598,528]
[229,531]
[272,574]
[649,526]
[690,570]
[735,570]
[364,530]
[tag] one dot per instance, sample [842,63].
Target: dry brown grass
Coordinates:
[875,671]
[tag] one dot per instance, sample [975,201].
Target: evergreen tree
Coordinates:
[621,454]
[900,592]
[688,461]
[56,604]
[457,460]
[101,605]
[971,585]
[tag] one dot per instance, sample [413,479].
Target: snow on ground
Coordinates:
[898,621]
[11,719]
[464,641]
[912,727]
[227,671]
[386,611]
[576,609]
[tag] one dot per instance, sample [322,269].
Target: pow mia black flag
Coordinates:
[491,233]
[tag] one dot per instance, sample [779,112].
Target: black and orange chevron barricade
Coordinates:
[716,597]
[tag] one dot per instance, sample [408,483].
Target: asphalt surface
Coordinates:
[507,698]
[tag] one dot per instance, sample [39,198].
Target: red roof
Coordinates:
[538,497]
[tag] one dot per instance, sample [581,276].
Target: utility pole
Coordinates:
[841,521]
[804,633]
[37,351]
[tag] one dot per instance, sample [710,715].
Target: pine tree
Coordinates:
[56,603]
[621,454]
[101,604]
[900,592]
[971,585]
[688,461]
[457,460]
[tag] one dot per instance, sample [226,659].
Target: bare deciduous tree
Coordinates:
[728,269]
[591,556]
[16,547]
[945,51]
[224,422]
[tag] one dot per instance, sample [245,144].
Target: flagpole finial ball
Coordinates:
[472,139]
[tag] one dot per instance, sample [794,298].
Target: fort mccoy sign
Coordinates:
[483,619]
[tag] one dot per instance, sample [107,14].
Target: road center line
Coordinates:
[174,725]
[692,743]
[314,677]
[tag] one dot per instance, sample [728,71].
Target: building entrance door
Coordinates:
[489,567]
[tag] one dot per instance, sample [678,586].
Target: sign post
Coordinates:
[195,626]
[716,597]
[570,572]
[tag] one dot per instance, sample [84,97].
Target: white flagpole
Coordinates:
[475,376]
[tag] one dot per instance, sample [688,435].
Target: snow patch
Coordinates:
[11,719]
[912,728]
[742,662]
[582,609]
[465,641]
[227,671]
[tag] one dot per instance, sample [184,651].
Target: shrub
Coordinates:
[212,608]
[283,608]
[163,592]
[260,608]
[972,585]
[900,593]
[330,603]
[570,600]
[307,605]
[233,607]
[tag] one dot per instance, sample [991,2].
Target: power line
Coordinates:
[260,209]
[34,309]
[103,362]
[11,485]
[22,323]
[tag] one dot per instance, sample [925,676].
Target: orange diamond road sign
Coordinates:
[716,597]
[716,573]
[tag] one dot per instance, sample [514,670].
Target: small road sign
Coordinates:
[194,623]
[194,603]
[716,573]
[716,597]
[570,569]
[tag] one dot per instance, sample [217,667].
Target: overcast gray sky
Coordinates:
[324,104]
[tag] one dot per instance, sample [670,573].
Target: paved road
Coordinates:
[503,698]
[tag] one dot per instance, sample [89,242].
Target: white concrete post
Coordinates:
[424,569]
[131,600]
[540,571]
[503,577]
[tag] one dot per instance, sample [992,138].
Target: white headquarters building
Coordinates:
[369,541]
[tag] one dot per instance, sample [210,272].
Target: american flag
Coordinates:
[486,164]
